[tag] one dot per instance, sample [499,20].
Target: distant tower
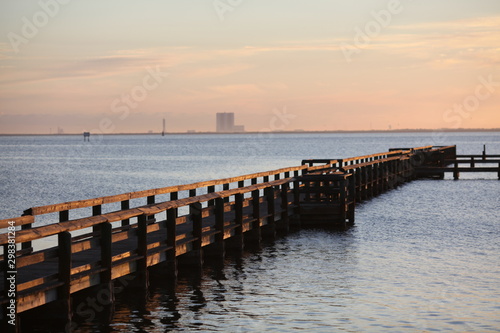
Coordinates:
[163,131]
[225,122]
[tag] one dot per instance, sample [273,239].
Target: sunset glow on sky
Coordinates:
[122,66]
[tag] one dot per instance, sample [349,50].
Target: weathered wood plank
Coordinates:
[17,221]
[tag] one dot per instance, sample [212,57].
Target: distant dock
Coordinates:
[189,223]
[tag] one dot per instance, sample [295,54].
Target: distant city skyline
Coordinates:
[283,66]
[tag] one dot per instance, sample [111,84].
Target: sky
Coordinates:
[121,66]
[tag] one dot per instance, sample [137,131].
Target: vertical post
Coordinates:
[253,236]
[27,246]
[376,179]
[284,207]
[340,163]
[472,162]
[106,258]
[269,193]
[342,203]
[192,192]
[270,229]
[484,152]
[175,196]
[266,179]
[96,211]
[307,190]
[456,174]
[238,211]
[241,183]
[142,251]
[151,200]
[225,187]
[216,249]
[125,204]
[64,255]
[499,171]
[64,216]
[211,189]
[219,220]
[352,198]
[172,241]
[254,181]
[195,256]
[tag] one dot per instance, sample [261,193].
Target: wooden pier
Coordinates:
[187,223]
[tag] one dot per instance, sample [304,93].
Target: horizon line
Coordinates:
[409,130]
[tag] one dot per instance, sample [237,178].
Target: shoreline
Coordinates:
[447,130]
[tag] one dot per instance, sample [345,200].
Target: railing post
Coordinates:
[225,187]
[125,205]
[284,207]
[175,196]
[472,162]
[340,163]
[195,257]
[342,203]
[142,251]
[236,241]
[253,235]
[27,246]
[269,193]
[211,189]
[64,216]
[270,230]
[352,198]
[96,211]
[456,174]
[64,292]
[106,259]
[172,241]
[216,249]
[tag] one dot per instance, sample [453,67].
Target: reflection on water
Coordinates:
[413,262]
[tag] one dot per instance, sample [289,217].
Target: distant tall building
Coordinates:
[225,122]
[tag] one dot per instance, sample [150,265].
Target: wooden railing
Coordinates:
[95,249]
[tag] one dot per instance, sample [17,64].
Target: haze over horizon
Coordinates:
[123,66]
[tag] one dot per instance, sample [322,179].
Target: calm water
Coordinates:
[425,257]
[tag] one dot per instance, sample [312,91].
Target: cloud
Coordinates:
[209,71]
[237,89]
